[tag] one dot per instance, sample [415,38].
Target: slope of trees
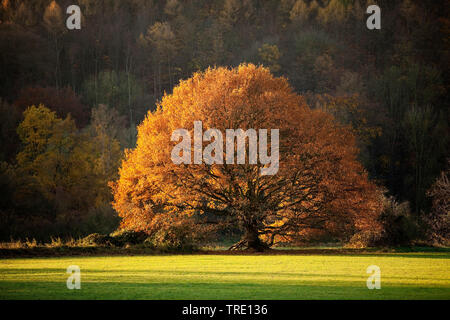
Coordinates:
[390,85]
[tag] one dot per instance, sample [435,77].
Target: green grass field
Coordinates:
[403,276]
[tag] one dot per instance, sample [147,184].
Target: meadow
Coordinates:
[410,275]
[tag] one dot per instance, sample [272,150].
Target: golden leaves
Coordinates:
[318,177]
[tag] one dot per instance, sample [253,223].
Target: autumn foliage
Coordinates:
[58,185]
[320,184]
[63,101]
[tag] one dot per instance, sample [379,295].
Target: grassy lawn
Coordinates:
[403,276]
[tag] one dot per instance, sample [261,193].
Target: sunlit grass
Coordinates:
[403,276]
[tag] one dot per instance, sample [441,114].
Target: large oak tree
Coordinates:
[319,184]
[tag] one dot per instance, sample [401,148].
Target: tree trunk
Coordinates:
[250,241]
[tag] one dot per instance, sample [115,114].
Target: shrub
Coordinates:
[124,237]
[438,220]
[179,234]
[97,239]
[399,227]
[363,240]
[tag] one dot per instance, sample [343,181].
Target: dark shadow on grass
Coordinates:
[206,290]
[405,255]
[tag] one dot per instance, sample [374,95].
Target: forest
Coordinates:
[71,102]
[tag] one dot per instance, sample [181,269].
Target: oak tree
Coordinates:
[319,184]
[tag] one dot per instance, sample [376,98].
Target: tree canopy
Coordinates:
[320,183]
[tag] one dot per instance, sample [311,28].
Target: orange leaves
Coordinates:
[319,184]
